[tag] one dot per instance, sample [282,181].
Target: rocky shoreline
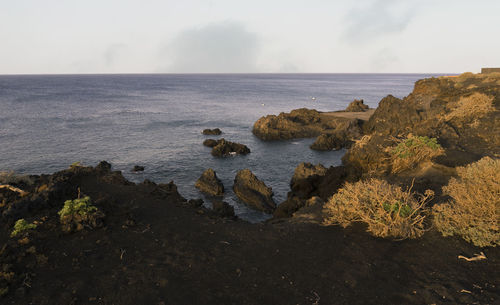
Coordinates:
[123,243]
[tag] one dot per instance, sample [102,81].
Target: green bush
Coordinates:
[81,206]
[474,211]
[22,226]
[409,152]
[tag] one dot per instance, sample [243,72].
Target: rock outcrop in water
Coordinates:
[214,132]
[313,181]
[210,142]
[226,148]
[209,183]
[357,106]
[328,141]
[253,192]
[303,123]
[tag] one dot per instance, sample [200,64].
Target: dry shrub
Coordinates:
[387,209]
[474,211]
[475,106]
[363,141]
[409,152]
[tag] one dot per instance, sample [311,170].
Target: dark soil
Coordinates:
[156,248]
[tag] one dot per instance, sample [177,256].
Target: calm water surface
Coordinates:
[48,122]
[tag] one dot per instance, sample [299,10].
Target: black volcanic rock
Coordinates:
[253,192]
[209,183]
[210,142]
[214,132]
[138,168]
[223,209]
[226,148]
[330,142]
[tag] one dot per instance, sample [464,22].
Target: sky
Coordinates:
[236,36]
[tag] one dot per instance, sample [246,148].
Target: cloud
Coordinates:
[383,60]
[113,52]
[377,19]
[225,47]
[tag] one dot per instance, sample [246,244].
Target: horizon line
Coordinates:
[219,73]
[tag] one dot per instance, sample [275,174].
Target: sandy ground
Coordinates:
[350,115]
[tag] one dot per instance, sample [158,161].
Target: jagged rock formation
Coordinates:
[309,181]
[357,106]
[210,142]
[463,113]
[253,192]
[331,142]
[209,183]
[226,148]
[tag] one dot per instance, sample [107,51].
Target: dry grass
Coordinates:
[363,141]
[386,209]
[413,150]
[474,211]
[474,106]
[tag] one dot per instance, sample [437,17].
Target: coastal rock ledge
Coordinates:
[303,123]
[209,183]
[253,192]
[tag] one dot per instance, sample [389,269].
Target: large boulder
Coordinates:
[313,181]
[305,170]
[356,106]
[226,148]
[210,142]
[209,183]
[328,141]
[253,192]
[214,132]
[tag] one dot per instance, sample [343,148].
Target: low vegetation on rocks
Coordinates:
[22,226]
[412,150]
[78,213]
[473,213]
[388,211]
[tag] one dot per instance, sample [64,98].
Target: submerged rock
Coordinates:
[138,168]
[356,106]
[227,148]
[209,183]
[253,192]
[214,132]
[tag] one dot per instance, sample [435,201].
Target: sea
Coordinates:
[48,122]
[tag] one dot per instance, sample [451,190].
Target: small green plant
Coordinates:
[402,209]
[80,206]
[76,164]
[409,152]
[22,226]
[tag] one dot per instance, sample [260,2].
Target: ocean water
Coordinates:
[47,122]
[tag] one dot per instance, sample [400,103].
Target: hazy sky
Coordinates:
[132,36]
